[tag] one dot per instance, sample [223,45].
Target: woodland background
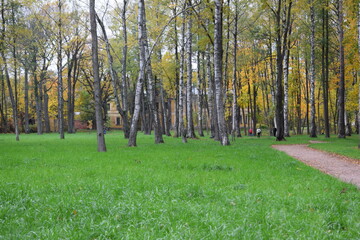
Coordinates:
[289,64]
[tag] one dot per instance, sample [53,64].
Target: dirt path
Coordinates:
[331,164]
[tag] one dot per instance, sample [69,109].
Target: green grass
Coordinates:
[64,189]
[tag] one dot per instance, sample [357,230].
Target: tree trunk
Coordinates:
[114,77]
[3,104]
[60,81]
[235,131]
[124,89]
[279,95]
[341,102]
[151,86]
[26,100]
[298,96]
[282,31]
[312,72]
[218,53]
[189,109]
[46,111]
[70,112]
[210,100]
[182,131]
[97,88]
[177,61]
[200,93]
[325,67]
[307,95]
[11,93]
[286,90]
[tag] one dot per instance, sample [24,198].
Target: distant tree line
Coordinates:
[228,65]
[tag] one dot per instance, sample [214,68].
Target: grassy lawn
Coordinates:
[64,189]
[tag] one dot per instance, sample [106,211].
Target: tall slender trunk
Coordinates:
[182,131]
[325,66]
[60,81]
[70,111]
[7,77]
[218,53]
[97,88]
[235,131]
[307,95]
[211,101]
[177,62]
[341,102]
[189,109]
[46,111]
[3,104]
[279,95]
[298,95]
[113,75]
[283,29]
[151,85]
[124,89]
[12,98]
[286,90]
[200,93]
[164,111]
[227,45]
[26,100]
[312,72]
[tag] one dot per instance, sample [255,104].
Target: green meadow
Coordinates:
[65,189]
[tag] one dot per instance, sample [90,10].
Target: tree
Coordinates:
[282,31]
[59,69]
[341,100]
[182,130]
[7,76]
[124,89]
[218,53]
[189,108]
[145,71]
[97,90]
[325,65]
[235,131]
[312,71]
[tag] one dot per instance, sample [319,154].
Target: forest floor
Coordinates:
[345,168]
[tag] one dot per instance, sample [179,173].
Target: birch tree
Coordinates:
[59,70]
[218,53]
[182,130]
[235,131]
[312,71]
[189,109]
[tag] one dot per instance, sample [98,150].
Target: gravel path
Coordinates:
[337,166]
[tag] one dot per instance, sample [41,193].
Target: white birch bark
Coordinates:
[60,81]
[181,82]
[218,53]
[312,71]
[139,84]
[190,122]
[235,125]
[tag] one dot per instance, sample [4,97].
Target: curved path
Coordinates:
[338,166]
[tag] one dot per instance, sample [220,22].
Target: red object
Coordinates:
[250,131]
